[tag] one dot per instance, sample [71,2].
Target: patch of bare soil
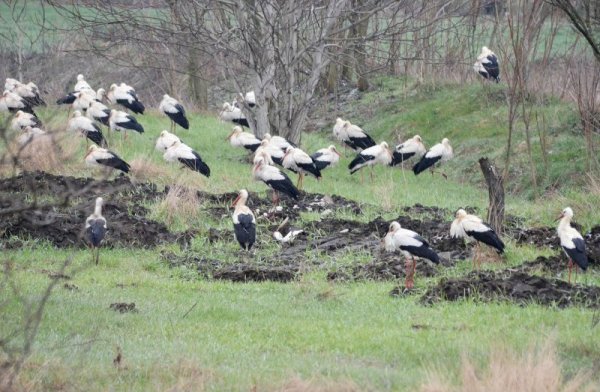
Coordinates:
[517,287]
[547,265]
[123,307]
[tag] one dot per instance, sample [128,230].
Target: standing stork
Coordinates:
[87,128]
[184,154]
[412,147]
[23,119]
[11,102]
[279,142]
[274,178]
[300,162]
[470,225]
[165,140]
[99,112]
[441,152]
[233,114]
[81,84]
[354,136]
[326,157]
[273,153]
[175,111]
[101,157]
[571,241]
[29,92]
[244,222]
[125,96]
[379,153]
[121,121]
[487,65]
[247,140]
[411,244]
[95,229]
[30,133]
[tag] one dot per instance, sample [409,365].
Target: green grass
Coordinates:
[235,336]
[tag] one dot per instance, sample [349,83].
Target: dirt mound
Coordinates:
[237,272]
[123,307]
[546,265]
[517,287]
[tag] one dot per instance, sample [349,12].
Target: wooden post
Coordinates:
[495,183]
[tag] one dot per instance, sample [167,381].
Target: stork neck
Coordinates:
[98,209]
[564,222]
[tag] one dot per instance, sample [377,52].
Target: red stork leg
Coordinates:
[410,272]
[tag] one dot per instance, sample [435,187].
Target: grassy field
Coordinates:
[199,334]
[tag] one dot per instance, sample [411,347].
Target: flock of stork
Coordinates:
[90,110]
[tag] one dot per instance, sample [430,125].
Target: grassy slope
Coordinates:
[261,334]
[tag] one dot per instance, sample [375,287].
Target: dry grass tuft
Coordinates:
[189,377]
[145,170]
[536,370]
[298,385]
[180,203]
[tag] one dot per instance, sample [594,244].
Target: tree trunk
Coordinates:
[196,82]
[495,183]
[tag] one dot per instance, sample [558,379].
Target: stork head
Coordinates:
[338,121]
[112,87]
[19,113]
[267,136]
[334,150]
[227,106]
[288,150]
[164,133]
[346,124]
[76,113]
[384,145]
[166,96]
[101,93]
[80,78]
[258,163]
[236,131]
[92,148]
[445,141]
[394,227]
[242,198]
[418,138]
[461,213]
[567,212]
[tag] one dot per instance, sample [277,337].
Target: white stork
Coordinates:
[28,134]
[470,225]
[441,152]
[81,84]
[244,222]
[487,65]
[121,121]
[29,92]
[326,157]
[271,153]
[86,127]
[379,153]
[412,147]
[279,142]
[95,230]
[275,179]
[300,162]
[11,102]
[233,114]
[99,157]
[571,241]
[99,112]
[23,119]
[165,140]
[125,96]
[184,154]
[175,111]
[354,136]
[411,244]
[247,140]
[250,99]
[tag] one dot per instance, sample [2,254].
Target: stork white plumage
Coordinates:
[326,157]
[83,100]
[274,178]
[244,222]
[86,127]
[247,140]
[29,134]
[441,152]
[271,153]
[99,112]
[571,241]
[411,244]
[81,84]
[184,154]
[353,136]
[122,122]
[233,114]
[377,154]
[95,230]
[11,102]
[29,92]
[165,140]
[23,119]
[487,65]
[125,96]
[412,147]
[279,142]
[175,111]
[300,162]
[472,226]
[101,157]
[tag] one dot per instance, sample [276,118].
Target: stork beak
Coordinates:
[230,135]
[337,152]
[235,201]
[559,217]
